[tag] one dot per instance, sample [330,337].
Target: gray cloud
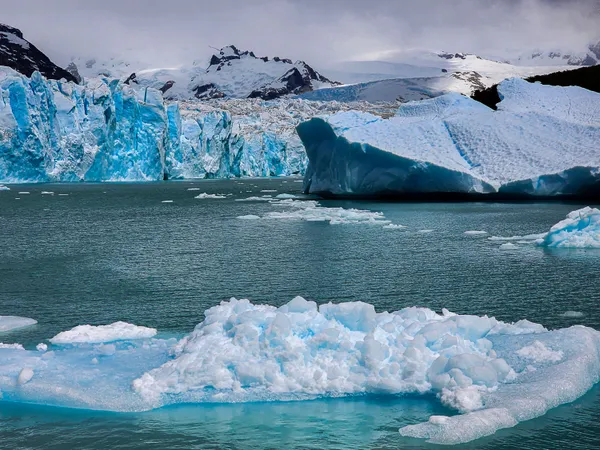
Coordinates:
[167,33]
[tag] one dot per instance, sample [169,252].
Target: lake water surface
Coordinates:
[109,252]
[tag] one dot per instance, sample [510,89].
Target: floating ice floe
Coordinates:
[425,231]
[204,195]
[255,199]
[268,190]
[103,333]
[475,232]
[581,229]
[47,193]
[9,323]
[509,246]
[287,196]
[4,188]
[573,314]
[494,374]
[249,217]
[24,193]
[167,201]
[193,189]
[394,226]
[311,211]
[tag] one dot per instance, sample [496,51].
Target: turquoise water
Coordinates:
[109,252]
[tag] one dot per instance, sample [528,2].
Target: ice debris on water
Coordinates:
[103,333]
[204,195]
[475,232]
[4,188]
[11,346]
[508,246]
[573,314]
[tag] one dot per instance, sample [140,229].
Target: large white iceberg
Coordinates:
[493,374]
[543,140]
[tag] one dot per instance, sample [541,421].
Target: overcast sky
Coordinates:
[168,33]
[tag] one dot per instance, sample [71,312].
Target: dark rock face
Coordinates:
[25,58]
[131,79]
[297,80]
[230,53]
[445,55]
[168,85]
[586,77]
[208,92]
[73,70]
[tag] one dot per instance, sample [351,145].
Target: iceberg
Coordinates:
[581,229]
[493,374]
[542,141]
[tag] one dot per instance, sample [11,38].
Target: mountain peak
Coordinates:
[20,55]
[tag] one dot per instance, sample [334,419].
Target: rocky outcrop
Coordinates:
[21,55]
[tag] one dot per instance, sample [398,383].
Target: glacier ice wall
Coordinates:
[543,140]
[107,131]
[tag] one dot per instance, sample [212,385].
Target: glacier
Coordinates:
[542,141]
[107,130]
[492,374]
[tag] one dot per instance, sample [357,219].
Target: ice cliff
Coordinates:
[543,140]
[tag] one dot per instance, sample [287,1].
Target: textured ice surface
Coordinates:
[581,229]
[8,323]
[493,373]
[541,141]
[117,331]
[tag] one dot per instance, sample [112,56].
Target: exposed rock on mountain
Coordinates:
[21,55]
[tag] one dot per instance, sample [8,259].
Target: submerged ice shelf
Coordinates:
[493,374]
[543,141]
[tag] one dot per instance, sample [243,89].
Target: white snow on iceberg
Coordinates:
[8,323]
[541,141]
[117,331]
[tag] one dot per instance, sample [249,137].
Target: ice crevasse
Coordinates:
[543,141]
[492,374]
[106,130]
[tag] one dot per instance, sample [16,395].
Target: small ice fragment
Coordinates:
[298,181]
[425,231]
[117,331]
[249,217]
[41,347]
[269,190]
[94,360]
[286,196]
[47,193]
[167,201]
[25,376]
[475,232]
[23,193]
[393,226]
[254,199]
[573,314]
[509,246]
[17,198]
[63,195]
[193,189]
[4,188]
[438,420]
[204,195]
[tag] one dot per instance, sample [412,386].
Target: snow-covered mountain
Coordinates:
[21,55]
[588,57]
[419,74]
[231,73]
